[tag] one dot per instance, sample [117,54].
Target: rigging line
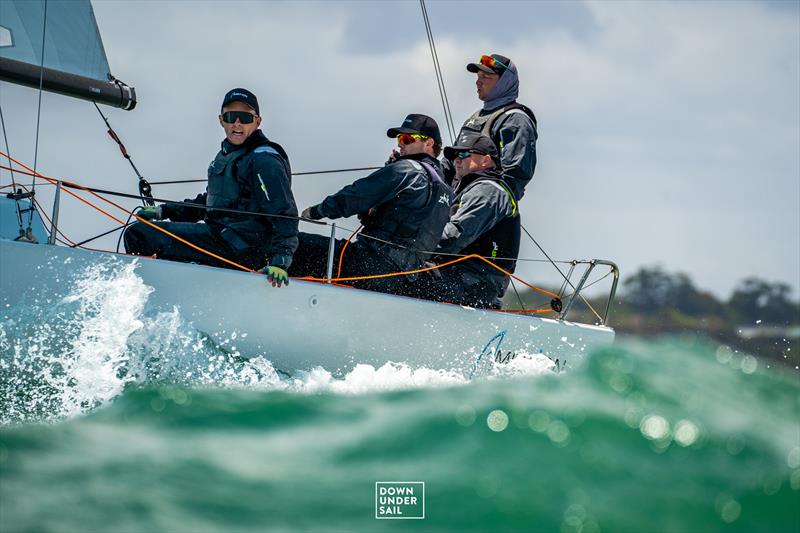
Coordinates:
[437,70]
[583,298]
[13,180]
[39,110]
[441,76]
[293,174]
[569,275]
[112,230]
[519,299]
[592,309]
[595,282]
[127,223]
[144,186]
[333,171]
[566,279]
[71,185]
[49,222]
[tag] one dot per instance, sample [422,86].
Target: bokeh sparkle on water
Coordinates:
[111,424]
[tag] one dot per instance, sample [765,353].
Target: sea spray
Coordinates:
[63,357]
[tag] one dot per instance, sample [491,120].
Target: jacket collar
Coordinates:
[257,138]
[465,181]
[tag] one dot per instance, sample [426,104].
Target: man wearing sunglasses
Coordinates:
[248,207]
[403,207]
[483,221]
[511,125]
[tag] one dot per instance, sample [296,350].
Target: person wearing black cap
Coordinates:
[511,125]
[403,208]
[249,174]
[483,221]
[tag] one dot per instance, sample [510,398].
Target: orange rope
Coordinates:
[346,244]
[434,267]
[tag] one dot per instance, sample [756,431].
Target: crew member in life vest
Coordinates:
[402,206]
[483,221]
[250,174]
[511,125]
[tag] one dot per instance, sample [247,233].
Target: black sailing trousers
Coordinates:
[141,239]
[311,259]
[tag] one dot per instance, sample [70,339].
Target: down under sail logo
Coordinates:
[397,500]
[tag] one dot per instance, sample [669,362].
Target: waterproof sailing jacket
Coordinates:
[483,221]
[405,203]
[512,127]
[256,177]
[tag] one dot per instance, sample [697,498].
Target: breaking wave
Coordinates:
[64,357]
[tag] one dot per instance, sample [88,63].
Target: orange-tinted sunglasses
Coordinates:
[491,62]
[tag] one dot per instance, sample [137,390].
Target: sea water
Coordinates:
[114,420]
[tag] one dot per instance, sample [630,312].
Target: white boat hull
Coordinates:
[305,324]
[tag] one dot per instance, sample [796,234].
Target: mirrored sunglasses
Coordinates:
[410,138]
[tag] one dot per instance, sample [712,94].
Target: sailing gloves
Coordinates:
[276,275]
[150,212]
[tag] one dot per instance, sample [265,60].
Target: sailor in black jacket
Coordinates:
[483,221]
[511,125]
[250,173]
[403,207]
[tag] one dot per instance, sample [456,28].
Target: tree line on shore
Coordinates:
[652,301]
[651,290]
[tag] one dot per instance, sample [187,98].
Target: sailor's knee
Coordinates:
[136,239]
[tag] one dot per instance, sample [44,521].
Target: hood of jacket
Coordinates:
[505,91]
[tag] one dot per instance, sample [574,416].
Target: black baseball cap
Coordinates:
[497,69]
[419,124]
[480,144]
[241,95]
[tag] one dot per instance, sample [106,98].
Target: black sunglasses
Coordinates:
[229,117]
[464,155]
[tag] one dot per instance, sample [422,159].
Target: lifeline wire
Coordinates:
[519,299]
[293,174]
[448,117]
[68,184]
[566,279]
[39,111]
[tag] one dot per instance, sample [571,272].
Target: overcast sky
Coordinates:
[669,131]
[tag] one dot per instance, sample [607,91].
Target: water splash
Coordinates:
[66,356]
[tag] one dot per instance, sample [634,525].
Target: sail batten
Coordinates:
[75,62]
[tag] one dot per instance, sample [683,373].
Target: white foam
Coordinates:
[68,356]
[82,351]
